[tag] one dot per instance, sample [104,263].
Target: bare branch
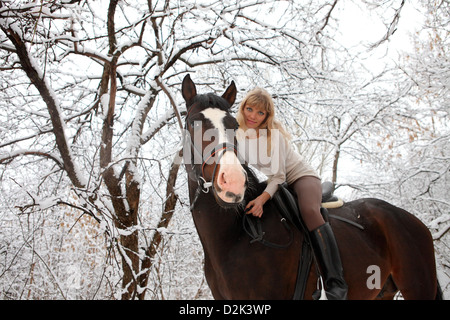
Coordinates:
[6,159]
[172,101]
[391,28]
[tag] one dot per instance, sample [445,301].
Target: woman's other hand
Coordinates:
[255,207]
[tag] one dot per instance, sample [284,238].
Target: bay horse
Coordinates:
[393,253]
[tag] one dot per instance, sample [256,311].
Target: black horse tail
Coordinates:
[439,294]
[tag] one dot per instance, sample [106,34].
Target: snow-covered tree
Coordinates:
[91,116]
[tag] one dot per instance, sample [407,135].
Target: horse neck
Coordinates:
[217,227]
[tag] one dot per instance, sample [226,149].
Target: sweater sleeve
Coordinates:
[278,162]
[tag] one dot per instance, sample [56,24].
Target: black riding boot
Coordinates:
[327,253]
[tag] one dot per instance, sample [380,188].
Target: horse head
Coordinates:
[211,144]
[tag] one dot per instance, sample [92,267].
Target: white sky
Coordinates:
[360,27]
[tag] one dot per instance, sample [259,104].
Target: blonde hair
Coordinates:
[261,99]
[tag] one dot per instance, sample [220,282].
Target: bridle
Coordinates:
[203,185]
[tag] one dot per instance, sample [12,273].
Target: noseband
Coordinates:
[223,147]
[203,185]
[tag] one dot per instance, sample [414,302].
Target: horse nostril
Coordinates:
[222,179]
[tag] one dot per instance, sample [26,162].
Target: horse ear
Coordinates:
[230,93]
[188,89]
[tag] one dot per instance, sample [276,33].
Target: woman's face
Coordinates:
[254,116]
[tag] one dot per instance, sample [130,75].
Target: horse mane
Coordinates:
[212,101]
[255,187]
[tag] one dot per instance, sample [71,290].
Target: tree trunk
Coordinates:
[164,221]
[335,164]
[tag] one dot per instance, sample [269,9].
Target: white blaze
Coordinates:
[231,177]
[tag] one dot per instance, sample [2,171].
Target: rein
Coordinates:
[253,227]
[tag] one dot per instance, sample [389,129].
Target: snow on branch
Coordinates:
[37,78]
[17,153]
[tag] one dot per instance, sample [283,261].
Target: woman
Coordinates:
[266,147]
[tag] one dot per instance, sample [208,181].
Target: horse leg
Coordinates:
[415,274]
[388,291]
[212,280]
[439,294]
[413,268]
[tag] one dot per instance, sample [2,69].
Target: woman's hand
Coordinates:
[255,207]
